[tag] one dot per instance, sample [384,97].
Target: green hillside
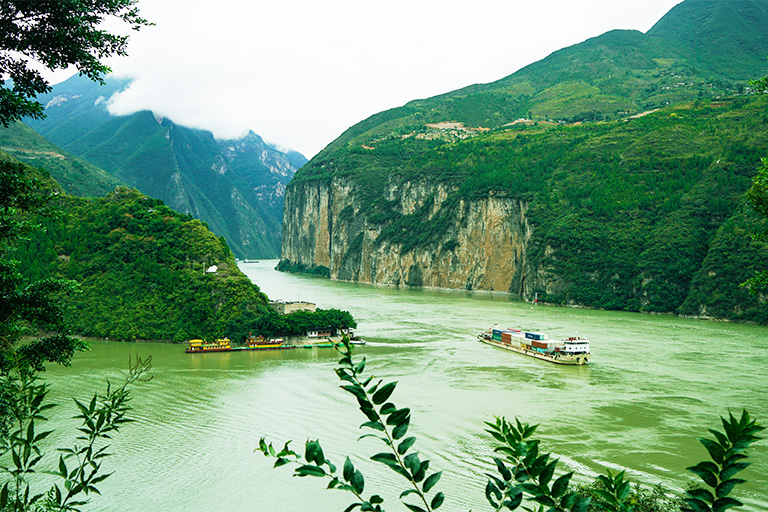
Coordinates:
[75,175]
[646,214]
[141,268]
[235,186]
[701,49]
[630,154]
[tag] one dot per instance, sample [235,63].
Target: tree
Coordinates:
[26,306]
[758,196]
[56,34]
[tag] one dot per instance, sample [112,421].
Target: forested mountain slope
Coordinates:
[235,186]
[142,270]
[643,212]
[75,175]
[700,49]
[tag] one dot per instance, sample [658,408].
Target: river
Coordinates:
[654,384]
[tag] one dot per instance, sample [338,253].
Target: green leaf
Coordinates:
[720,438]
[349,470]
[704,470]
[385,458]
[492,491]
[407,492]
[437,500]
[308,470]
[724,488]
[431,480]
[622,491]
[697,505]
[310,450]
[607,496]
[546,474]
[514,501]
[383,393]
[376,499]
[405,444]
[412,462]
[360,367]
[581,505]
[414,508]
[388,408]
[352,507]
[731,469]
[400,430]
[503,470]
[724,504]
[561,485]
[715,450]
[376,425]
[356,390]
[701,494]
[4,496]
[398,416]
[421,472]
[357,482]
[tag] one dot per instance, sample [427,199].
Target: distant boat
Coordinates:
[573,350]
[250,261]
[197,346]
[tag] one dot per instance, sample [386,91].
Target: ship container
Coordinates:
[535,336]
[540,344]
[506,337]
[526,342]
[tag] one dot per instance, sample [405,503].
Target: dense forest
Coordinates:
[146,272]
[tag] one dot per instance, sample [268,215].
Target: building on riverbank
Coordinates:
[288,307]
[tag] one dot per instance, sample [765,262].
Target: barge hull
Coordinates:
[568,360]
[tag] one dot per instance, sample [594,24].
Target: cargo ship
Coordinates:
[573,350]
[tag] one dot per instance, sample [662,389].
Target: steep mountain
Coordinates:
[480,189]
[75,175]
[235,186]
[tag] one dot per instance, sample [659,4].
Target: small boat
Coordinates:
[220,345]
[573,350]
[261,343]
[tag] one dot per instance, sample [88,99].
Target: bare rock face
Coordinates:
[480,245]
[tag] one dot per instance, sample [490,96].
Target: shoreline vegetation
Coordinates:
[146,272]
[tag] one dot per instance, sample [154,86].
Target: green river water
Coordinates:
[654,384]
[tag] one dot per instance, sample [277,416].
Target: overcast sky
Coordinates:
[300,72]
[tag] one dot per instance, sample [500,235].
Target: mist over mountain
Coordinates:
[235,186]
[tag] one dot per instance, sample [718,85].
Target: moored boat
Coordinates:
[261,343]
[220,345]
[573,350]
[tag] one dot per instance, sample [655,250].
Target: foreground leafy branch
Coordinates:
[387,423]
[79,466]
[526,477]
[728,451]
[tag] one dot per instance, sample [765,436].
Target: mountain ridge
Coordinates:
[623,142]
[235,186]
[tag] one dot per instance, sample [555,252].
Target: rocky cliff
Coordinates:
[483,246]
[631,215]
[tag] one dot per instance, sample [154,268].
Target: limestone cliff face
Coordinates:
[479,245]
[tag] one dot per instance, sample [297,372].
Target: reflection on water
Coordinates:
[654,384]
